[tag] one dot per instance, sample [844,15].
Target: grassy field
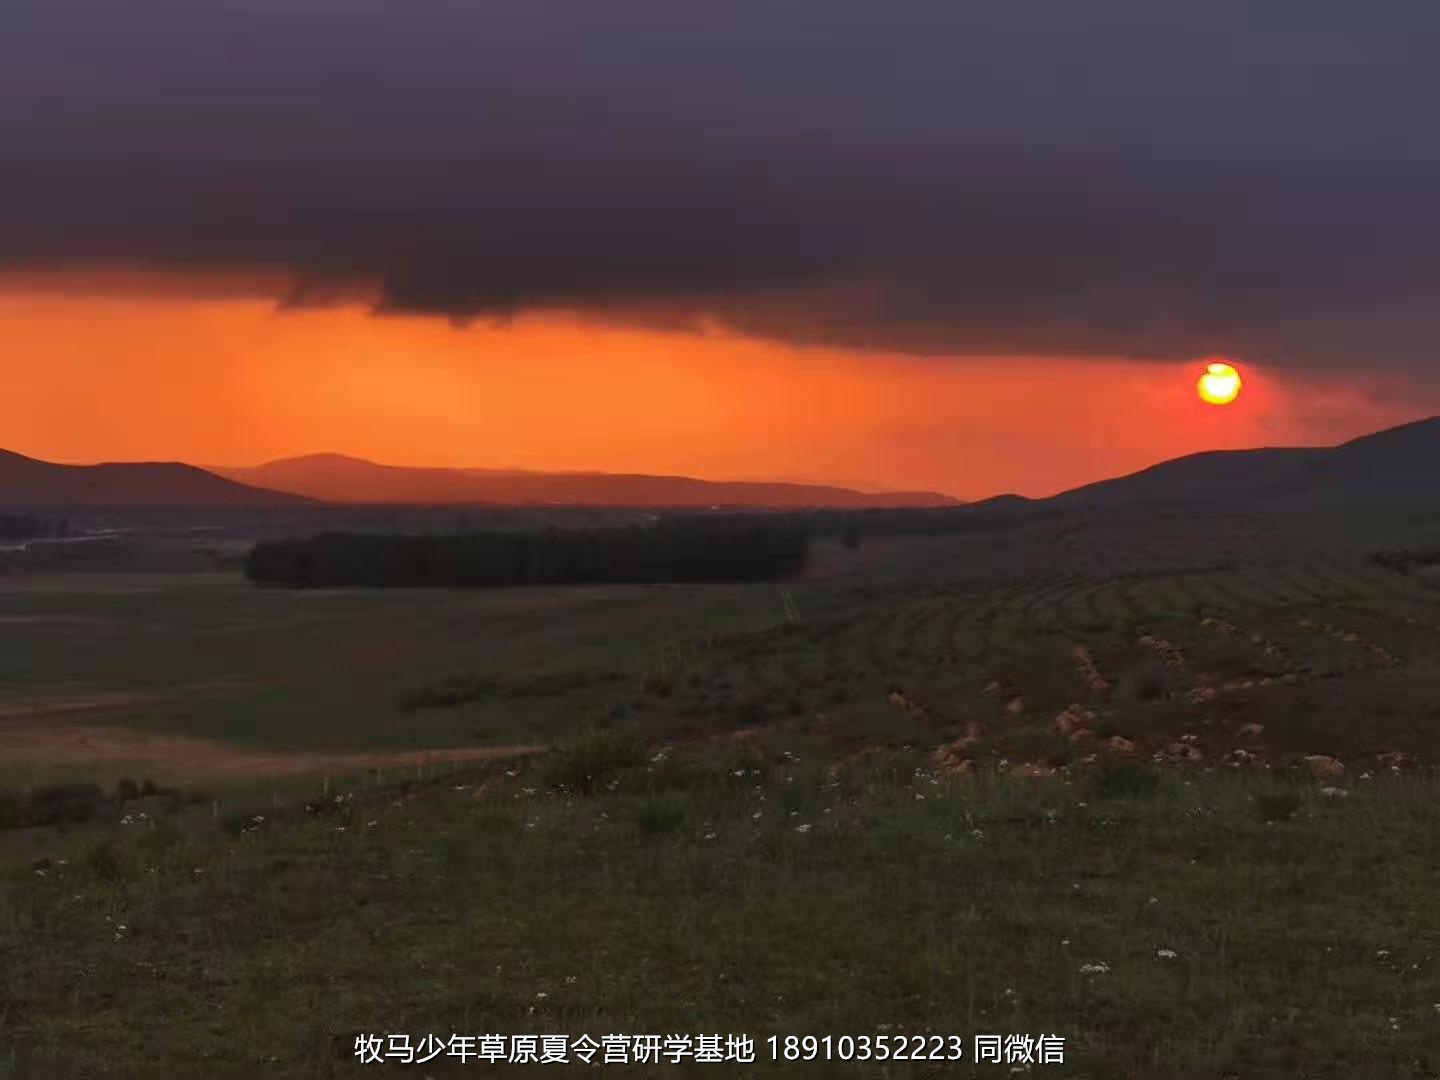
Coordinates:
[1164,788]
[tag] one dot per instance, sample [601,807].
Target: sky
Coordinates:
[970,247]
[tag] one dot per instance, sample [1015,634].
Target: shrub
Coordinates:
[452,690]
[588,764]
[655,816]
[104,863]
[65,802]
[1147,681]
[1125,780]
[751,712]
[1277,805]
[659,686]
[14,810]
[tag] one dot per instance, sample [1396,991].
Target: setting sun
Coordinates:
[1220,385]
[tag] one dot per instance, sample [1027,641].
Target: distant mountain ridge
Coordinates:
[30,482]
[340,478]
[1399,464]
[1396,465]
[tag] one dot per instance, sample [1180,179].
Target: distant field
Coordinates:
[944,784]
[1256,614]
[209,656]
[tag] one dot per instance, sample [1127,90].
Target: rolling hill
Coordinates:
[29,482]
[1400,464]
[338,478]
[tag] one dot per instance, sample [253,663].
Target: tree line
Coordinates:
[851,525]
[723,552]
[29,527]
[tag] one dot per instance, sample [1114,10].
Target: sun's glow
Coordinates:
[1220,385]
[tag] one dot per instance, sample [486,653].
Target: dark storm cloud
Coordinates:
[1142,177]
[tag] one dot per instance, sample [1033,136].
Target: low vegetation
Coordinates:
[1163,922]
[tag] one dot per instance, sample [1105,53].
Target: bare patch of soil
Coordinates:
[79,745]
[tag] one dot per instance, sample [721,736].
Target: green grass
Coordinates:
[344,669]
[747,889]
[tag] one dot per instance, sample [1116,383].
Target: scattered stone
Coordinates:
[1121,745]
[1249,731]
[951,760]
[973,733]
[1183,753]
[900,701]
[1086,667]
[1032,771]
[1169,654]
[1334,792]
[1072,718]
[1324,766]
[1015,706]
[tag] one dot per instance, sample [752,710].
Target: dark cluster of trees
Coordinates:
[27,527]
[1405,559]
[723,552]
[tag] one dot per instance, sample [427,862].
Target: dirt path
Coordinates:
[187,758]
[83,700]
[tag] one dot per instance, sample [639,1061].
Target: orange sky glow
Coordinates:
[96,372]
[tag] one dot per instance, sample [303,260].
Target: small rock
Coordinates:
[1324,766]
